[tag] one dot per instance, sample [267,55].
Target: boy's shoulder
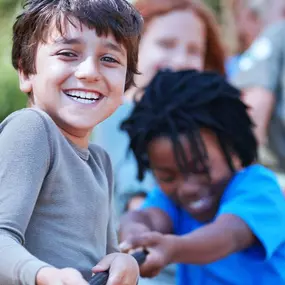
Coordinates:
[29,126]
[30,118]
[255,181]
[255,172]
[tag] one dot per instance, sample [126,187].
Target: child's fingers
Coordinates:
[71,276]
[104,264]
[141,241]
[125,246]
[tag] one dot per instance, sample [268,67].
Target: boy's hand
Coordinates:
[123,269]
[54,276]
[130,230]
[159,246]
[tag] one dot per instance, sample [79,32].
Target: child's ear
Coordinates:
[25,82]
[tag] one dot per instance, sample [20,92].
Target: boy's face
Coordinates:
[197,193]
[79,79]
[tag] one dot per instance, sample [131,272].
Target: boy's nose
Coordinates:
[88,70]
[188,188]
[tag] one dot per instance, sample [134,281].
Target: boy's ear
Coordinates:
[25,82]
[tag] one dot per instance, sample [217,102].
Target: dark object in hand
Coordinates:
[101,278]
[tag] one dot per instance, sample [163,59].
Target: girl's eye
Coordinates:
[167,44]
[109,59]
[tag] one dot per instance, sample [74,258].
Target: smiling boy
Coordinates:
[75,59]
[217,214]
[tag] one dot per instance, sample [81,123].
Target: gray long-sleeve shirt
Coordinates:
[55,200]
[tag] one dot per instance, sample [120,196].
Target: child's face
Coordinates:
[196,193]
[79,79]
[176,40]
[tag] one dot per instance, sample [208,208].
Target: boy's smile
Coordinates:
[80,79]
[197,192]
[84,96]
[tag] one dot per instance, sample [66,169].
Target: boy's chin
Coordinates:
[205,217]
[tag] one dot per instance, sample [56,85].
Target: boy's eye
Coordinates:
[67,54]
[166,179]
[109,59]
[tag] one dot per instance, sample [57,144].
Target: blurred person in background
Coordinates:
[262,78]
[178,34]
[251,17]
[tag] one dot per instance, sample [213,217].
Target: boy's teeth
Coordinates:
[84,101]
[83,95]
[197,204]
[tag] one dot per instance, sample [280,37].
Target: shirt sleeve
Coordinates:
[258,200]
[157,199]
[25,159]
[112,233]
[260,65]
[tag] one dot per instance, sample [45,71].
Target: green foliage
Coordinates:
[11,98]
[214,4]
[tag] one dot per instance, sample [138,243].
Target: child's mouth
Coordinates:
[84,97]
[200,205]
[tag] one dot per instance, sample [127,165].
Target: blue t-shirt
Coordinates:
[255,196]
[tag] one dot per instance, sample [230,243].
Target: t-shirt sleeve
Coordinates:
[258,200]
[157,199]
[260,65]
[25,158]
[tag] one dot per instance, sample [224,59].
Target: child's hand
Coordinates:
[159,247]
[54,276]
[123,269]
[130,230]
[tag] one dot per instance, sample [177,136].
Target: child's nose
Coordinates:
[88,70]
[188,188]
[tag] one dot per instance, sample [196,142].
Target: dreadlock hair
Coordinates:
[181,103]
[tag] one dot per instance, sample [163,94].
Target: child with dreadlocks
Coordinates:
[216,213]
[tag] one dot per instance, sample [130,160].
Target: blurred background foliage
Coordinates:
[11,98]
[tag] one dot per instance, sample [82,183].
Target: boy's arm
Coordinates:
[25,158]
[158,214]
[226,235]
[152,219]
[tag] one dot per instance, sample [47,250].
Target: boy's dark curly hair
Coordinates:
[181,103]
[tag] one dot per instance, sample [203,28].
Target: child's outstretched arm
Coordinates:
[146,220]
[226,235]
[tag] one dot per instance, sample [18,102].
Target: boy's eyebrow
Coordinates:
[114,47]
[67,41]
[164,169]
[107,44]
